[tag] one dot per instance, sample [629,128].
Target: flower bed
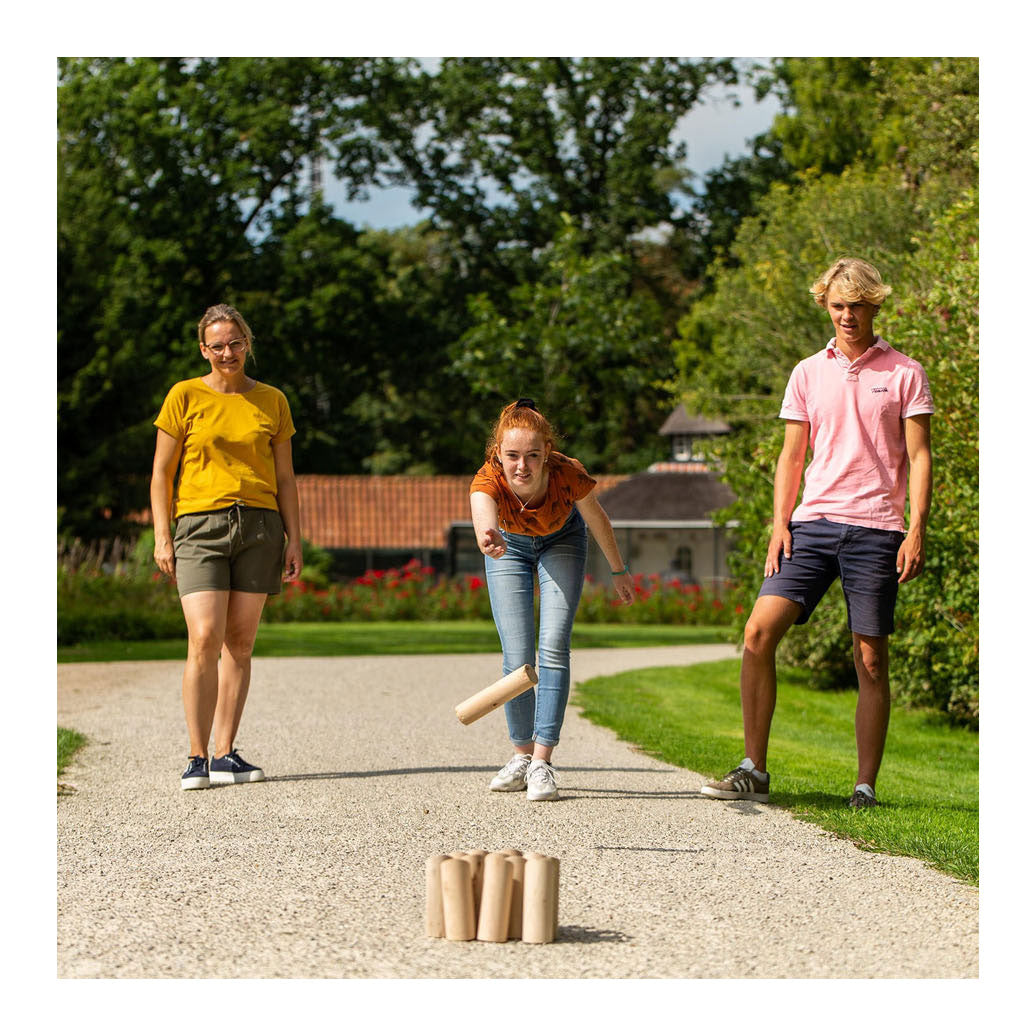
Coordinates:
[126,599]
[417,592]
[411,592]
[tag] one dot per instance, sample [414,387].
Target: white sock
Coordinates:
[747,764]
[867,788]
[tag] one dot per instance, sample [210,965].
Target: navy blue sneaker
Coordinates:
[196,775]
[232,769]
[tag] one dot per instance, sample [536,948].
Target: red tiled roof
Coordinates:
[389,511]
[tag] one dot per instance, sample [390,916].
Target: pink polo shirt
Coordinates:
[858,474]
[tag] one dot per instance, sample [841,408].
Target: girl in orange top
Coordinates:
[531,507]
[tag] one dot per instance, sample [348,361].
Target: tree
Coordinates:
[590,350]
[829,108]
[169,173]
[737,345]
[731,195]
[919,115]
[509,144]
[365,320]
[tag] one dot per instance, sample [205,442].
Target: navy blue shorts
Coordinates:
[865,561]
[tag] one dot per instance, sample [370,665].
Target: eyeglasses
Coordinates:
[237,345]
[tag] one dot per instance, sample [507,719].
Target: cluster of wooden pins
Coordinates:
[492,897]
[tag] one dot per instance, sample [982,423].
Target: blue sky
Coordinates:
[714,129]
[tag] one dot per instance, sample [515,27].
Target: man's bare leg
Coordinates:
[771,618]
[871,655]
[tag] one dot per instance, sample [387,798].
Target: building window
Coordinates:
[684,560]
[681,447]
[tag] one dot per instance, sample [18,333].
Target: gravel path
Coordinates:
[321,867]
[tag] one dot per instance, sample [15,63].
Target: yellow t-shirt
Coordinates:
[228,441]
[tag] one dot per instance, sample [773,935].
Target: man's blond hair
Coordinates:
[854,279]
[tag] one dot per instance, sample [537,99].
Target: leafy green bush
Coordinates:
[112,591]
[116,606]
[316,565]
[935,657]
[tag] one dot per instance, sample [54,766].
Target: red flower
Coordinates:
[474,583]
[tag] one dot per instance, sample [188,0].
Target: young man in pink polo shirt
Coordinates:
[864,409]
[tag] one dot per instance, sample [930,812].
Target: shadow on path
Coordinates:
[568,792]
[578,933]
[417,770]
[647,849]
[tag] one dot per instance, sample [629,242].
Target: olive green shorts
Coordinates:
[234,548]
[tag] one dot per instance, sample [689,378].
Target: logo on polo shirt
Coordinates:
[879,388]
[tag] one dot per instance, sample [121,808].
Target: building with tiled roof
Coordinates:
[685,432]
[663,521]
[390,512]
[663,517]
[377,521]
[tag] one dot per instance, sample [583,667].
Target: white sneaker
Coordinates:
[542,780]
[511,776]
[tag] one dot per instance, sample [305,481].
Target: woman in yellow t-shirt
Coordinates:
[236,507]
[531,507]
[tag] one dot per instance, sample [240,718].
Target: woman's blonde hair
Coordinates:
[522,413]
[222,311]
[854,279]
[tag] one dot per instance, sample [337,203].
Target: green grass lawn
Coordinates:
[297,639]
[69,742]
[927,790]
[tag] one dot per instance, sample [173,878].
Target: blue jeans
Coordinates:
[558,561]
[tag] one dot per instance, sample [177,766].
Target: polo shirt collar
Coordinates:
[851,368]
[879,344]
